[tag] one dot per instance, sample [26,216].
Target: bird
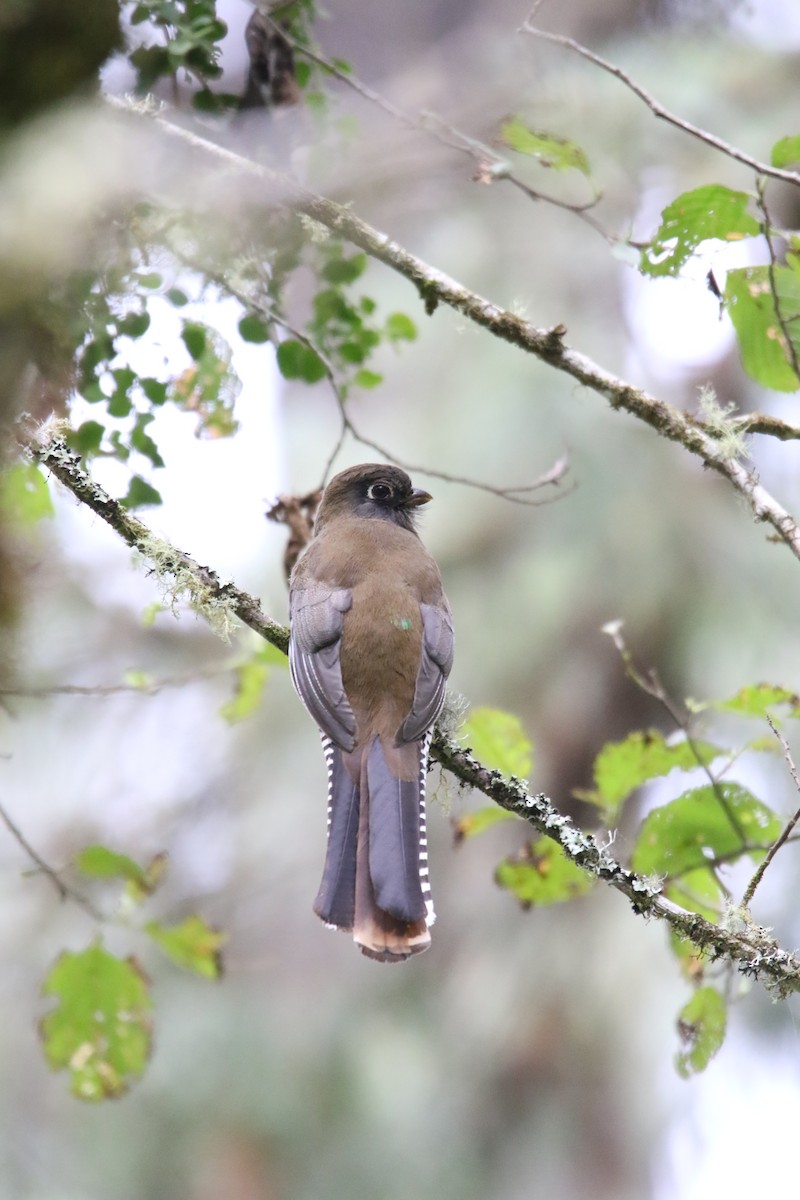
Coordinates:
[370,650]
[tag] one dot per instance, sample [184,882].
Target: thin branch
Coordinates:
[652,686]
[516,494]
[148,687]
[765,424]
[788,828]
[65,891]
[658,109]
[549,345]
[490,167]
[751,948]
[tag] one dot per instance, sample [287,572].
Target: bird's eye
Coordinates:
[379,491]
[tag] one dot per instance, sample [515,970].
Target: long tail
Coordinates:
[375,881]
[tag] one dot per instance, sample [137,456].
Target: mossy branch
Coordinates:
[749,946]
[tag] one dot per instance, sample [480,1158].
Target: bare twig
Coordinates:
[788,828]
[65,891]
[658,109]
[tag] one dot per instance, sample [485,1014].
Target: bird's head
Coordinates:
[372,490]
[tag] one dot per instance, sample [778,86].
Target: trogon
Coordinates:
[370,651]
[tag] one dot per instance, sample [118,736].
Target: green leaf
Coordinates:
[622,767]
[177,297]
[367,379]
[134,324]
[786,151]
[400,328]
[550,149]
[498,740]
[102,863]
[480,820]
[298,361]
[150,279]
[712,211]
[253,329]
[754,700]
[86,438]
[100,1031]
[24,494]
[140,494]
[194,339]
[679,839]
[542,874]
[154,389]
[191,944]
[344,270]
[762,339]
[701,1026]
[251,677]
[141,440]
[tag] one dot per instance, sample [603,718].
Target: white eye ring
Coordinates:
[380,491]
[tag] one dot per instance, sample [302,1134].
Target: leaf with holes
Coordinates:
[100,1030]
[708,212]
[766,350]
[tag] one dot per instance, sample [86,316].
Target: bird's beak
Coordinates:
[417,497]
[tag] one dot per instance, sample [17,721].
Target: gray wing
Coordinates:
[434,667]
[316,616]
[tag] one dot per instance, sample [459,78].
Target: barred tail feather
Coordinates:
[335,902]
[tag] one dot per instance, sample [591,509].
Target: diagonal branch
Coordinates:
[749,946]
[658,109]
[549,345]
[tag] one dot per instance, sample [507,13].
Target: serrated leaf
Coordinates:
[712,211]
[498,740]
[297,361]
[139,494]
[701,1025]
[400,328]
[24,494]
[550,149]
[786,151]
[756,700]
[251,677]
[253,329]
[100,1031]
[542,874]
[680,839]
[622,767]
[481,819]
[762,339]
[191,944]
